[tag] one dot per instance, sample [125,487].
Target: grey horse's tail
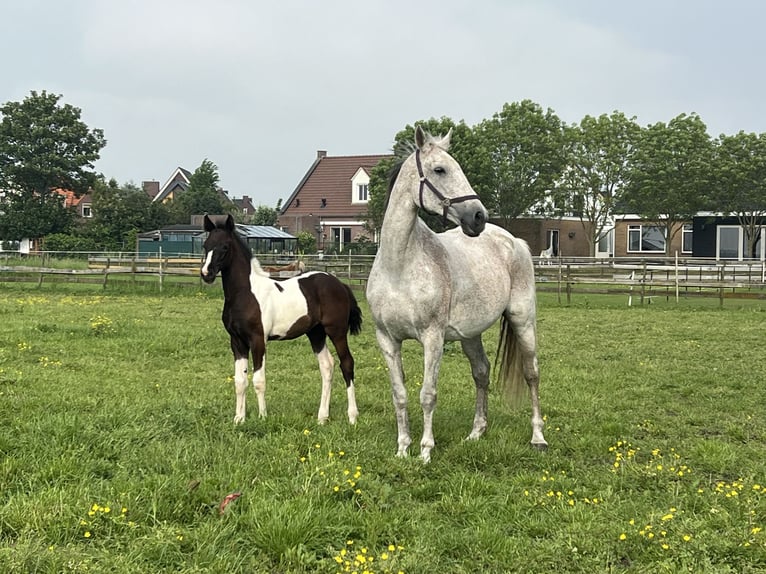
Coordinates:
[509,364]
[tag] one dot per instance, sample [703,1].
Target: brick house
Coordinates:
[330,201]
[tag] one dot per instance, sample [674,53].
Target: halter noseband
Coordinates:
[445,201]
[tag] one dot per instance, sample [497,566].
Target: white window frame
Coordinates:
[360,180]
[87,210]
[687,230]
[639,227]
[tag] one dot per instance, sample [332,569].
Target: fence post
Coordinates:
[106,273]
[643,281]
[721,278]
[160,263]
[569,285]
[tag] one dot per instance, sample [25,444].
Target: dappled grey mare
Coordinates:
[451,286]
[258,308]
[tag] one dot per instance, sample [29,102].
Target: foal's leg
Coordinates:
[433,349]
[258,345]
[340,342]
[326,366]
[474,350]
[241,354]
[392,353]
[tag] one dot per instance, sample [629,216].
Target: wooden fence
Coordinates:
[640,280]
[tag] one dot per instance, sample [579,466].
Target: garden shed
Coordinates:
[185,240]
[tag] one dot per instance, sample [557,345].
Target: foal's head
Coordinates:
[443,188]
[221,246]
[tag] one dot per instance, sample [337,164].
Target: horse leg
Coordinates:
[258,346]
[474,350]
[433,348]
[241,354]
[392,353]
[340,342]
[527,341]
[318,340]
[240,387]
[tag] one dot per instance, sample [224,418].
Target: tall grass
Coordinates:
[118,447]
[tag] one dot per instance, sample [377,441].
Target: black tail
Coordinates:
[355,314]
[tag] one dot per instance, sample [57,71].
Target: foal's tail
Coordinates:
[509,364]
[354,314]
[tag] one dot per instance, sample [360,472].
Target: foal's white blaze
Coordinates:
[208,259]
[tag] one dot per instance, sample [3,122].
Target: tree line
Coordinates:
[45,146]
[524,159]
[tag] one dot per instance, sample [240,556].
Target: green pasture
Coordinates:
[118,450]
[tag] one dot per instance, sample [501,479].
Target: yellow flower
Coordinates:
[87,534]
[687,537]
[391,547]
[623,536]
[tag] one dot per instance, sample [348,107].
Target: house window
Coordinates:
[361,192]
[86,210]
[341,236]
[686,238]
[646,239]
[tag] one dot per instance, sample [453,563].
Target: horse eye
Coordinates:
[440,170]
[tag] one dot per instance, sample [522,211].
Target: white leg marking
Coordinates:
[392,352]
[208,259]
[240,387]
[353,412]
[259,382]
[326,366]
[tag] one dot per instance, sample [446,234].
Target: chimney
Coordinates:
[321,153]
[151,188]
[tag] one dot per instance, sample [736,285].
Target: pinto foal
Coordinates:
[258,308]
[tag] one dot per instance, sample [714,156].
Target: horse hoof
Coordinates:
[238,420]
[323,420]
[540,446]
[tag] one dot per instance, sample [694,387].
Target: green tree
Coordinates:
[740,175]
[44,146]
[265,215]
[119,212]
[670,179]
[202,195]
[307,243]
[520,156]
[600,154]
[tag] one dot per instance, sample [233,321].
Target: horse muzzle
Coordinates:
[473,223]
[207,277]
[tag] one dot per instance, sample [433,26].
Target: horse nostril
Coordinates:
[480,217]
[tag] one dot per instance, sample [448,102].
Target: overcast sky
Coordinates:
[258,87]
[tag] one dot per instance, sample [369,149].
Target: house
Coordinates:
[178,182]
[331,200]
[82,204]
[723,237]
[245,205]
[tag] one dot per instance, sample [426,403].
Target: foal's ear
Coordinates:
[229,223]
[207,224]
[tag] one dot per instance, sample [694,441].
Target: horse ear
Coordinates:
[445,141]
[229,223]
[207,224]
[420,137]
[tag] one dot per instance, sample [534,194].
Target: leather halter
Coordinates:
[446,202]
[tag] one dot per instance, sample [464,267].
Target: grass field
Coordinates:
[118,447]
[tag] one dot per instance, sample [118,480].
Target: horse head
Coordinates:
[218,245]
[443,187]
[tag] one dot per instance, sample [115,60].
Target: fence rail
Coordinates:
[640,280]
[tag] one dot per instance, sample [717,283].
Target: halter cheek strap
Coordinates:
[445,201]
